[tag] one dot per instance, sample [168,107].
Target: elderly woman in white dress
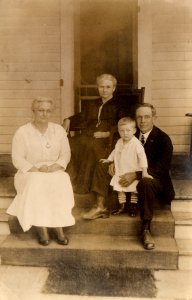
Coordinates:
[41,153]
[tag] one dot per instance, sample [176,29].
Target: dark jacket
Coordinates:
[159,149]
[87,120]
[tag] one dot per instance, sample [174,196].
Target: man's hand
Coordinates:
[101,135]
[111,170]
[127,178]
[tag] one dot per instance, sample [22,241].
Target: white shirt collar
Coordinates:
[145,135]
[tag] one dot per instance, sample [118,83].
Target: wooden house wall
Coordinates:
[29,61]
[30,64]
[172,69]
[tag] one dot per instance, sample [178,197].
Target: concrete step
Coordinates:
[7,187]
[183,224]
[23,249]
[185,254]
[183,236]
[181,205]
[123,225]
[4,226]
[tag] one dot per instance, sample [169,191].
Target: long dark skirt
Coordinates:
[86,152]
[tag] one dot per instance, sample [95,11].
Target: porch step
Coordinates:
[180,205]
[114,241]
[183,225]
[183,236]
[116,228]
[92,249]
[122,225]
[4,226]
[185,254]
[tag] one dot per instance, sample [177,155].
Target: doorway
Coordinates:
[105,42]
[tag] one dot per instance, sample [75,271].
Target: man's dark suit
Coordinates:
[158,148]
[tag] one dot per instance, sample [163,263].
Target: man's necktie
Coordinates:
[142,139]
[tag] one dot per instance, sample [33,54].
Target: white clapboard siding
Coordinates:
[169,75]
[30,61]
[174,130]
[29,85]
[184,149]
[173,103]
[173,84]
[27,67]
[172,93]
[8,129]
[18,121]
[173,111]
[167,47]
[173,121]
[34,48]
[24,103]
[19,113]
[172,69]
[29,76]
[22,94]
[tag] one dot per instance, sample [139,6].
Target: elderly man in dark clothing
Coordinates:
[158,148]
[98,122]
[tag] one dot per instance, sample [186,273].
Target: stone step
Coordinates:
[92,249]
[183,189]
[124,225]
[185,254]
[7,187]
[183,225]
[4,226]
[5,202]
[181,205]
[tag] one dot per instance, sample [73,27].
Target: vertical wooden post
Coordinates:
[145,47]
[67,58]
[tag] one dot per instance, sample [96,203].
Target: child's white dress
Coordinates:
[43,199]
[129,157]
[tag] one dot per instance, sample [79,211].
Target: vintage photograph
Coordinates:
[95,149]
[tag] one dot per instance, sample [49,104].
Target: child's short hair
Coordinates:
[127,120]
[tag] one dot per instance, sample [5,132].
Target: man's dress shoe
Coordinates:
[96,213]
[148,241]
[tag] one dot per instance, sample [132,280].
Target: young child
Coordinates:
[128,156]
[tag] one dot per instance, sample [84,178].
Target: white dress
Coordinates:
[43,199]
[129,157]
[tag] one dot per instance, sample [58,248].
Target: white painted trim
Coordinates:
[67,57]
[145,47]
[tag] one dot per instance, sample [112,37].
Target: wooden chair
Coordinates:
[128,99]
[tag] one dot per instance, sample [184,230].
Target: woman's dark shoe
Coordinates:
[61,238]
[43,236]
[64,241]
[44,242]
